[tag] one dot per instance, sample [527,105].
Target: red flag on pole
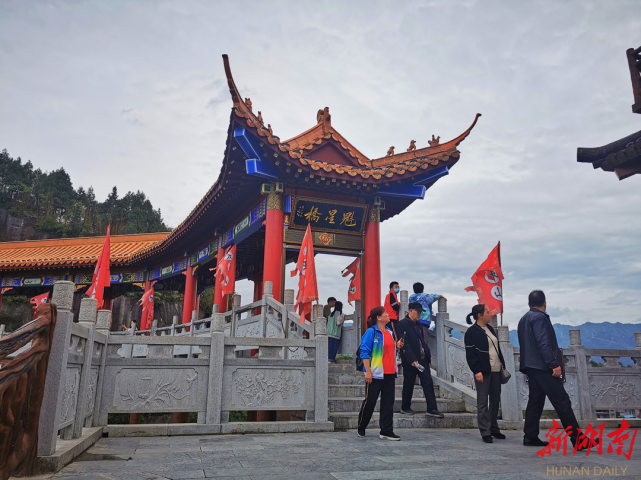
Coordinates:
[354,291]
[306,268]
[147,302]
[226,271]
[488,282]
[101,275]
[38,299]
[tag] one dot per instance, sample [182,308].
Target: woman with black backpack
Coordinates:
[378,353]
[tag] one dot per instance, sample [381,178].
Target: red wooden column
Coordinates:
[219,298]
[372,261]
[190,295]
[273,264]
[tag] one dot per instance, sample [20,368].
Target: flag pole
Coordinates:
[502,291]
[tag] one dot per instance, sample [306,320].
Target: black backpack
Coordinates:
[358,360]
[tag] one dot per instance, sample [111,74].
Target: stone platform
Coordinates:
[421,454]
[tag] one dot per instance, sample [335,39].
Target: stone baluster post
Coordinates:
[494,322]
[215,309]
[288,301]
[321,394]
[235,317]
[586,410]
[174,321]
[509,392]
[405,304]
[54,384]
[269,288]
[103,325]
[358,333]
[440,330]
[2,333]
[637,359]
[216,361]
[87,319]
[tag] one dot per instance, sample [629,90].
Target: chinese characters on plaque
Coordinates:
[328,216]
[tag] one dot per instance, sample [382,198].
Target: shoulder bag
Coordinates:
[505,375]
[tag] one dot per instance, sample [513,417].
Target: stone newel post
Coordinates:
[586,410]
[86,318]
[404,301]
[216,359]
[509,392]
[440,330]
[321,394]
[52,398]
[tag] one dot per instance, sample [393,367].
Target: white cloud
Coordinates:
[133,95]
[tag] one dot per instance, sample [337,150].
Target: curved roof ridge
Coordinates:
[431,150]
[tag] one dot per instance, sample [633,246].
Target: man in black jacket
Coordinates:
[538,352]
[416,358]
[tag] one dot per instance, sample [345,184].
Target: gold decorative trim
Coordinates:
[374,214]
[274,201]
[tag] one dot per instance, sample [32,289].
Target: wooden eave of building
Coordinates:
[622,156]
[65,253]
[301,162]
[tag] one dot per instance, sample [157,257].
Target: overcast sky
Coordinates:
[132,94]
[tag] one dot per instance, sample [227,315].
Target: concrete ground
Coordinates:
[421,454]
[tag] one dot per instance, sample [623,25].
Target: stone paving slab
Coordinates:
[421,454]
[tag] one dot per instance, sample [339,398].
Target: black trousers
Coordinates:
[409,379]
[543,384]
[385,388]
[488,398]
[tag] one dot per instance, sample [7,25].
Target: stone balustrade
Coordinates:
[195,367]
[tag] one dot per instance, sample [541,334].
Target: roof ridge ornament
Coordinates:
[435,141]
[323,117]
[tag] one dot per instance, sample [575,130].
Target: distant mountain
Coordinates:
[595,335]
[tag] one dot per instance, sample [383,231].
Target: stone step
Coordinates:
[345,420]
[351,391]
[418,405]
[358,379]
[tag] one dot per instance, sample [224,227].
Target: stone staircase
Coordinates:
[347,392]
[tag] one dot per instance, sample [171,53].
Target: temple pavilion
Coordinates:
[267,192]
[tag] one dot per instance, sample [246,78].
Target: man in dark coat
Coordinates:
[539,361]
[416,357]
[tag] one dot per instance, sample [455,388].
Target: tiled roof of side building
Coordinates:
[76,252]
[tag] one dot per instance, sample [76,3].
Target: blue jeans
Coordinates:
[332,348]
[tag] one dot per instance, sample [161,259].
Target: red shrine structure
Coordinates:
[267,192]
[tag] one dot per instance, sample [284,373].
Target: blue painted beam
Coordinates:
[254,165]
[262,169]
[414,188]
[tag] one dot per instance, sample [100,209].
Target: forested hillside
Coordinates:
[50,207]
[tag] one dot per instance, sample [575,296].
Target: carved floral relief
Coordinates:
[616,391]
[155,389]
[70,395]
[266,387]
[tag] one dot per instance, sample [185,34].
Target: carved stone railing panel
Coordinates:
[616,391]
[457,366]
[159,389]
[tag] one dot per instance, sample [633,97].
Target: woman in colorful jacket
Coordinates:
[378,352]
